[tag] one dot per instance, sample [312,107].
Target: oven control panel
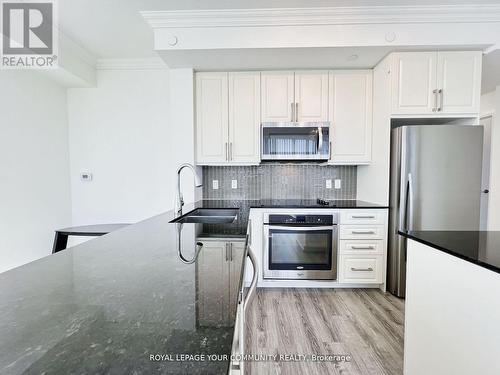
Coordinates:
[302,219]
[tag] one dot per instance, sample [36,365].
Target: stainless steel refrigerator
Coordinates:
[435,184]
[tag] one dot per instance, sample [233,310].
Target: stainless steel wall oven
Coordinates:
[300,246]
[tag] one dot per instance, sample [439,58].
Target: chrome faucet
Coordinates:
[197,183]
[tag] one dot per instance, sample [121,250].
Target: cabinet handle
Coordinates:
[369,269]
[363,216]
[297,112]
[230,151]
[293,111]
[227,158]
[440,93]
[226,255]
[231,252]
[435,100]
[363,232]
[330,150]
[362,247]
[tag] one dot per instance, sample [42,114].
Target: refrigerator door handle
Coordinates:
[409,198]
[403,210]
[403,184]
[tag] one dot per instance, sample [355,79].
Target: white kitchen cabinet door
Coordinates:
[277,96]
[311,96]
[244,117]
[351,97]
[459,78]
[211,118]
[366,269]
[413,83]
[212,275]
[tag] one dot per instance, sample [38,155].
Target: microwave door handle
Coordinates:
[320,139]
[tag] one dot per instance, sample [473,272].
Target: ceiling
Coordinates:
[282,58]
[114,29]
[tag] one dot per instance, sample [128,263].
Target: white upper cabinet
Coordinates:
[435,83]
[277,96]
[311,96]
[459,79]
[351,96]
[414,79]
[295,96]
[227,118]
[244,117]
[212,117]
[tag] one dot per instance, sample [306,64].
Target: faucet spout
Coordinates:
[197,183]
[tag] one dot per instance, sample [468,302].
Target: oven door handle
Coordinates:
[301,229]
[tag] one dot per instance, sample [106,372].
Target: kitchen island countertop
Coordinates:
[108,305]
[121,302]
[479,247]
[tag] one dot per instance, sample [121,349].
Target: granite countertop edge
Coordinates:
[451,251]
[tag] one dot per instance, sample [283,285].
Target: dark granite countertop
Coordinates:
[107,305]
[479,247]
[312,203]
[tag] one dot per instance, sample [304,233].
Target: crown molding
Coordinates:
[154,63]
[323,16]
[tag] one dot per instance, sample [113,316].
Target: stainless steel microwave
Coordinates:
[308,141]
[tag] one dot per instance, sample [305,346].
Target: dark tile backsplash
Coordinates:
[280,181]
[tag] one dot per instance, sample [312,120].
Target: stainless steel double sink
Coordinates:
[209,216]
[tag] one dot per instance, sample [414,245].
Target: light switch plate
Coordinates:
[215,184]
[329,184]
[338,184]
[86,176]
[234,184]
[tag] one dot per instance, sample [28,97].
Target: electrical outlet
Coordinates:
[86,176]
[215,184]
[234,184]
[328,184]
[338,184]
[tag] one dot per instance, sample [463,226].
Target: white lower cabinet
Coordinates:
[361,251]
[353,231]
[357,246]
[361,269]
[362,246]
[362,217]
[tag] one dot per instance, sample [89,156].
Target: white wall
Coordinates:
[121,133]
[34,166]
[373,179]
[490,103]
[182,135]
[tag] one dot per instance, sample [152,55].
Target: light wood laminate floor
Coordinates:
[365,324]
